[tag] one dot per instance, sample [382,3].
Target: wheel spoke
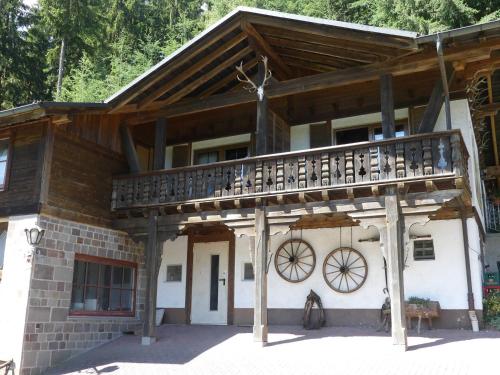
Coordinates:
[296,271]
[347,282]
[348,256]
[354,261]
[303,270]
[284,269]
[333,265]
[335,278]
[307,264]
[357,274]
[280,264]
[328,273]
[355,282]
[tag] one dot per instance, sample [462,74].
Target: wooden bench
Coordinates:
[428,311]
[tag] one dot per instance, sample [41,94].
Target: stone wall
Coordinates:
[51,335]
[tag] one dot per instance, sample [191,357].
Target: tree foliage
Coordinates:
[108,43]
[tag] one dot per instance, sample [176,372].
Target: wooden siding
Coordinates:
[81,179]
[21,195]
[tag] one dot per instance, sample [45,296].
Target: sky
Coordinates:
[30,2]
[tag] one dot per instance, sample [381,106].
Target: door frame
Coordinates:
[218,236]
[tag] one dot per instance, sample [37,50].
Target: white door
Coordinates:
[209,292]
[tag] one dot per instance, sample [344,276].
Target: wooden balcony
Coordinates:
[416,163]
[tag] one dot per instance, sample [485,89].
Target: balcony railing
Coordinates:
[492,216]
[424,156]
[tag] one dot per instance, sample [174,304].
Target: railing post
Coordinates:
[325,169]
[302,177]
[400,160]
[374,164]
[427,156]
[349,167]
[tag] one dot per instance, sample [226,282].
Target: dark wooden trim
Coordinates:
[387,106]
[111,262]
[129,149]
[11,137]
[193,238]
[46,165]
[160,143]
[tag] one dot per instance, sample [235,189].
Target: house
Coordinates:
[354,171]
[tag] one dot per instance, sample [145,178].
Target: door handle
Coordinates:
[223,281]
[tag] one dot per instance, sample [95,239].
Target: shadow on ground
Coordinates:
[179,344]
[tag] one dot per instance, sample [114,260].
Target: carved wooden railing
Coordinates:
[414,157]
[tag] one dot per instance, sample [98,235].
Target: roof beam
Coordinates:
[158,74]
[206,77]
[193,69]
[230,77]
[262,47]
[400,66]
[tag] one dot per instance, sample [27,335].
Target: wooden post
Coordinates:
[260,329]
[160,144]
[153,261]
[128,147]
[387,106]
[261,143]
[444,78]
[395,265]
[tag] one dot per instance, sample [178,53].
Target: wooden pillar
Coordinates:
[260,329]
[387,106]
[261,142]
[395,266]
[153,261]
[128,147]
[160,143]
[444,78]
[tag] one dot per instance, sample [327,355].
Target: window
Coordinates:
[4,162]
[351,135]
[248,271]
[423,250]
[103,286]
[207,157]
[236,153]
[378,135]
[320,135]
[174,273]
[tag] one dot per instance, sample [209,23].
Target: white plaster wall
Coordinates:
[169,152]
[14,288]
[172,294]
[367,119]
[299,137]
[460,119]
[244,289]
[443,279]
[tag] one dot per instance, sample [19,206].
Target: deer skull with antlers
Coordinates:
[252,87]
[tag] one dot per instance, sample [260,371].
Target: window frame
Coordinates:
[371,129]
[166,273]
[221,150]
[108,262]
[243,272]
[9,137]
[424,257]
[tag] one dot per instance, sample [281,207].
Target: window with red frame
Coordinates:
[4,161]
[103,286]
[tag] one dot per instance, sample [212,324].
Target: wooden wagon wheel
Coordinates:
[295,260]
[345,270]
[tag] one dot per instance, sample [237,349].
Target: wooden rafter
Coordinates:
[316,58]
[205,77]
[175,64]
[192,70]
[226,80]
[263,48]
[319,49]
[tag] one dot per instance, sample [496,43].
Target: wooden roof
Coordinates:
[296,47]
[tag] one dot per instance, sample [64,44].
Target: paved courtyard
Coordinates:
[218,350]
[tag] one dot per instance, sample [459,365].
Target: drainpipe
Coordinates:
[442,69]
[470,294]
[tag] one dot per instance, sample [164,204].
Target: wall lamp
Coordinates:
[34,237]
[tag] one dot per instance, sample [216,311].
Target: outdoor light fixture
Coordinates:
[34,236]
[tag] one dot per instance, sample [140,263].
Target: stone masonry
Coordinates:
[51,335]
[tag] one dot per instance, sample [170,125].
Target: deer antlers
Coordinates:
[252,87]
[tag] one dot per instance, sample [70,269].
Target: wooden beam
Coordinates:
[206,77]
[260,328]
[153,253]
[128,146]
[160,143]
[387,106]
[225,81]
[434,105]
[261,133]
[46,167]
[174,64]
[360,74]
[263,48]
[395,265]
[193,69]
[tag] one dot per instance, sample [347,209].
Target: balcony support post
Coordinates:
[261,142]
[395,266]
[387,106]
[153,254]
[160,143]
[260,328]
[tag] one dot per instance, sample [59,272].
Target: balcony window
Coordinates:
[103,286]
[351,135]
[221,153]
[4,162]
[378,135]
